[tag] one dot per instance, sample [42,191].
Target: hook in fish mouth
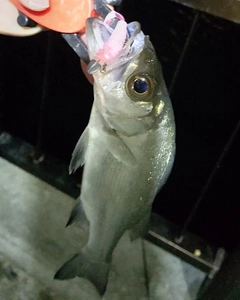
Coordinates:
[109,39]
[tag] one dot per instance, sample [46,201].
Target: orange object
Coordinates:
[66,16]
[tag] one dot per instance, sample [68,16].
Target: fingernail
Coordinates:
[36,5]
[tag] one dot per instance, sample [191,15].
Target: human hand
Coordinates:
[8,21]
[9,25]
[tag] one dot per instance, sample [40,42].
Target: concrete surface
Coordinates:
[34,243]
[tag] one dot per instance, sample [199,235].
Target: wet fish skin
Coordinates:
[127,150]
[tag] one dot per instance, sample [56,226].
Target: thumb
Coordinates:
[84,69]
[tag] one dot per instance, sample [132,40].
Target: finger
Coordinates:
[84,69]
[8,21]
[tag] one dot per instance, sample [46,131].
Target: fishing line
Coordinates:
[38,156]
[183,53]
[2,96]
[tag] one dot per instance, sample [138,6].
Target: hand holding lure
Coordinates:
[65,16]
[29,17]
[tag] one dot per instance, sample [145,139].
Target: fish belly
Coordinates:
[115,196]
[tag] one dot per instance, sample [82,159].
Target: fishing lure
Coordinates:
[67,17]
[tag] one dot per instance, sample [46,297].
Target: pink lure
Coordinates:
[116,41]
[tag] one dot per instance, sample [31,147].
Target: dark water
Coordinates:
[206,101]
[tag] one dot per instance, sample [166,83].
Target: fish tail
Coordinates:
[87,266]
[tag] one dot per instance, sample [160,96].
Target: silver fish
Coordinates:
[127,150]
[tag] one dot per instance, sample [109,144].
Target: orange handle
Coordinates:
[66,16]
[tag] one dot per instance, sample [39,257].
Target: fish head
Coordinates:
[128,81]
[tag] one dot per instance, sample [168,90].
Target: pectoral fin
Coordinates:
[118,148]
[78,156]
[103,131]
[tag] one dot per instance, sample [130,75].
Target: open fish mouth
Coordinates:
[112,42]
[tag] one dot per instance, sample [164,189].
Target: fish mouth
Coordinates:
[112,42]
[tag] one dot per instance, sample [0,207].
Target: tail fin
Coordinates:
[87,266]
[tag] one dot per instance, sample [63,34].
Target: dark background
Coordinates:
[205,97]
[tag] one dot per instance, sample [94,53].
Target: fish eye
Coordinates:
[140,87]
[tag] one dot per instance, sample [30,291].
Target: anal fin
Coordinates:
[78,216]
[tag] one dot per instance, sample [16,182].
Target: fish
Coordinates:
[127,148]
